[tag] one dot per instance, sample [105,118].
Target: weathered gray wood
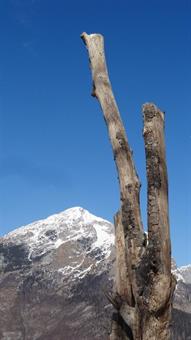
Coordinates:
[143,267]
[158,294]
[157,205]
[122,279]
[128,179]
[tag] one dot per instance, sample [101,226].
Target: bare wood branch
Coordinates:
[157,204]
[119,329]
[158,294]
[123,274]
[128,179]
[144,283]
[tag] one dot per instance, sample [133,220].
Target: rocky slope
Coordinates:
[182,298]
[52,277]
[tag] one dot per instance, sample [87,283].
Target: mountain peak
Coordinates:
[54,268]
[52,275]
[70,225]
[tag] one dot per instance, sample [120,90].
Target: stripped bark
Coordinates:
[143,267]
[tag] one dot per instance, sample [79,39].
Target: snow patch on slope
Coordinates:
[74,224]
[182,274]
[185,272]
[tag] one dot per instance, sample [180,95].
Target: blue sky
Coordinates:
[54,148]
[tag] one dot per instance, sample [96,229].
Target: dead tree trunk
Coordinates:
[144,285]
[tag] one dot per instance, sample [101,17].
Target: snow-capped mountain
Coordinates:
[81,233]
[183,274]
[52,276]
[182,297]
[70,225]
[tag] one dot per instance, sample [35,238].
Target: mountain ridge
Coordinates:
[52,276]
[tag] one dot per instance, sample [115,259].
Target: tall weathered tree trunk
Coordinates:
[144,285]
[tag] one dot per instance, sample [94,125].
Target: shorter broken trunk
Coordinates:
[159,283]
[144,284]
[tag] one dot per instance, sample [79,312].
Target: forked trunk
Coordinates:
[144,284]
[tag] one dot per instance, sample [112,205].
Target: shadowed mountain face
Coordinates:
[52,277]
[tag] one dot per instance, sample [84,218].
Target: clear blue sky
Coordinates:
[54,148]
